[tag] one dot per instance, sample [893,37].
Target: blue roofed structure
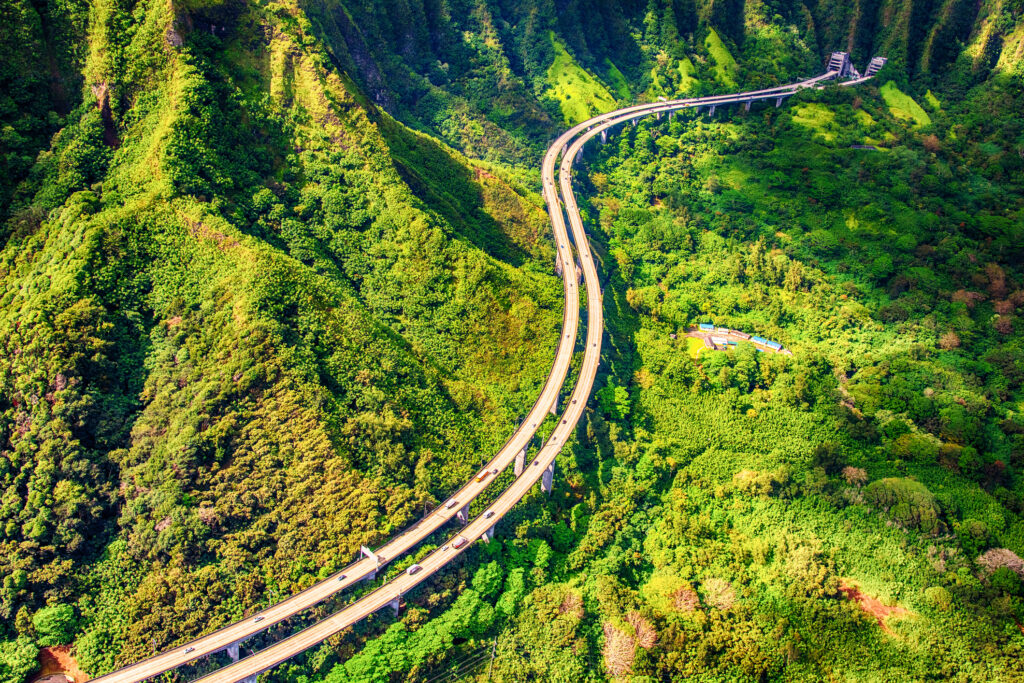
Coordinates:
[707,327]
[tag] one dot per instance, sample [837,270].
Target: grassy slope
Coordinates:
[725,65]
[903,105]
[618,82]
[579,93]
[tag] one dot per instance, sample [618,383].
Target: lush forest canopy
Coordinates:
[276,277]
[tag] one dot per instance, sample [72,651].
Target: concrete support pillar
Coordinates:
[554,406]
[558,265]
[463,514]
[657,115]
[370,554]
[249,679]
[565,148]
[371,576]
[634,122]
[579,154]
[671,114]
[396,604]
[547,478]
[711,111]
[233,652]
[604,136]
[778,102]
[488,535]
[746,105]
[520,462]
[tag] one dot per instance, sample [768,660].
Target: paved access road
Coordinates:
[388,594]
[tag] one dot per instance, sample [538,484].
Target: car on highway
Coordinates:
[342,577]
[459,542]
[258,619]
[451,504]
[495,470]
[445,548]
[189,649]
[483,475]
[413,569]
[490,513]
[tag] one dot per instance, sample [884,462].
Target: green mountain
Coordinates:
[276,277]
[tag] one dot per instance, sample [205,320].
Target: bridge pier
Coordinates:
[396,604]
[520,462]
[249,679]
[554,406]
[579,154]
[233,651]
[778,102]
[657,115]
[547,478]
[746,105]
[604,136]
[489,534]
[558,265]
[711,111]
[565,148]
[463,514]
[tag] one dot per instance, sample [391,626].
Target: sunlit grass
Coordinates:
[580,95]
[903,105]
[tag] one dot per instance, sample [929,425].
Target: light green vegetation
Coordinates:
[687,75]
[724,64]
[932,101]
[579,93]
[903,106]
[618,82]
[694,346]
[817,117]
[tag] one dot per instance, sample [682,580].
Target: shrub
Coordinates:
[908,502]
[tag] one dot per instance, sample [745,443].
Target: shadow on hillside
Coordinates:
[451,189]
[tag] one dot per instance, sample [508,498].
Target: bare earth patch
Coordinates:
[872,606]
[56,665]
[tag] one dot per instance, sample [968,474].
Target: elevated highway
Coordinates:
[568,148]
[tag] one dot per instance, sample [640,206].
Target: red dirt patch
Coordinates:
[54,661]
[872,606]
